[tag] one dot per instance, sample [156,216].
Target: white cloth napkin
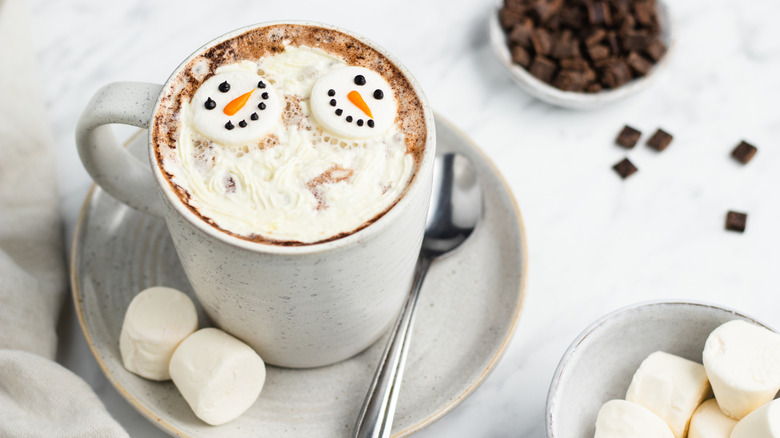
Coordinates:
[38,397]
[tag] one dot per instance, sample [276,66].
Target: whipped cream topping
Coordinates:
[298,179]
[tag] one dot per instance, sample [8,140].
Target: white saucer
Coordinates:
[468,310]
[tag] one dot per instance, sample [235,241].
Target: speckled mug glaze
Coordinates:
[299,306]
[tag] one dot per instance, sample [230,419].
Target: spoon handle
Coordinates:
[376,415]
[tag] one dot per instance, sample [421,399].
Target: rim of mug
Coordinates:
[356,237]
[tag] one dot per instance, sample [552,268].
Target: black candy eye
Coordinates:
[378,94]
[224,87]
[360,80]
[210,104]
[370,123]
[261,84]
[331,92]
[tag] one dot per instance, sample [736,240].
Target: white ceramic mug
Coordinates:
[298,306]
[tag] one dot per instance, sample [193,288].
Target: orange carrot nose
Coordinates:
[358,101]
[236,104]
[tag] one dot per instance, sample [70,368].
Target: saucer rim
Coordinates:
[168,428]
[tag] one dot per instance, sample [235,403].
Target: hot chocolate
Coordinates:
[290,134]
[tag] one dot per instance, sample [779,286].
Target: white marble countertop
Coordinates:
[596,242]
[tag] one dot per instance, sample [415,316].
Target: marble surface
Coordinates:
[596,242]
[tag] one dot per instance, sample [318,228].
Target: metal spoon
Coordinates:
[455,209]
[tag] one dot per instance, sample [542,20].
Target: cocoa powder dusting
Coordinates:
[266,41]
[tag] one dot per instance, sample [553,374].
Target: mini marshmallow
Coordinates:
[743,364]
[671,387]
[710,422]
[219,376]
[764,422]
[621,419]
[156,321]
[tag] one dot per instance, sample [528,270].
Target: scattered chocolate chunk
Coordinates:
[521,56]
[628,137]
[744,152]
[625,168]
[660,140]
[736,221]
[639,64]
[594,88]
[543,69]
[613,43]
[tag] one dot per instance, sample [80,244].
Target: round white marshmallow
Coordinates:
[764,422]
[670,386]
[709,421]
[338,114]
[219,376]
[253,119]
[622,419]
[743,364]
[156,321]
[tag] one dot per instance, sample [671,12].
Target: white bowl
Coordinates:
[599,364]
[574,99]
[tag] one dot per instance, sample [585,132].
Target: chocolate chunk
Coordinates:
[640,65]
[572,16]
[577,64]
[542,41]
[565,46]
[594,88]
[545,9]
[736,221]
[744,152]
[628,137]
[615,74]
[660,140]
[521,56]
[636,41]
[656,49]
[569,80]
[543,68]
[595,37]
[598,13]
[598,51]
[625,168]
[645,13]
[521,33]
[508,18]
[613,43]
[627,26]
[519,6]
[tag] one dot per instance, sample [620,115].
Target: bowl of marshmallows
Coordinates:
[668,370]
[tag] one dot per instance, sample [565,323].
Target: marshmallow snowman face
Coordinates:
[235,107]
[354,102]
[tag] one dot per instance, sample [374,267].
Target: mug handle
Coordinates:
[112,166]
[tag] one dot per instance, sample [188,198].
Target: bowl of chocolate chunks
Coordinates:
[668,369]
[582,54]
